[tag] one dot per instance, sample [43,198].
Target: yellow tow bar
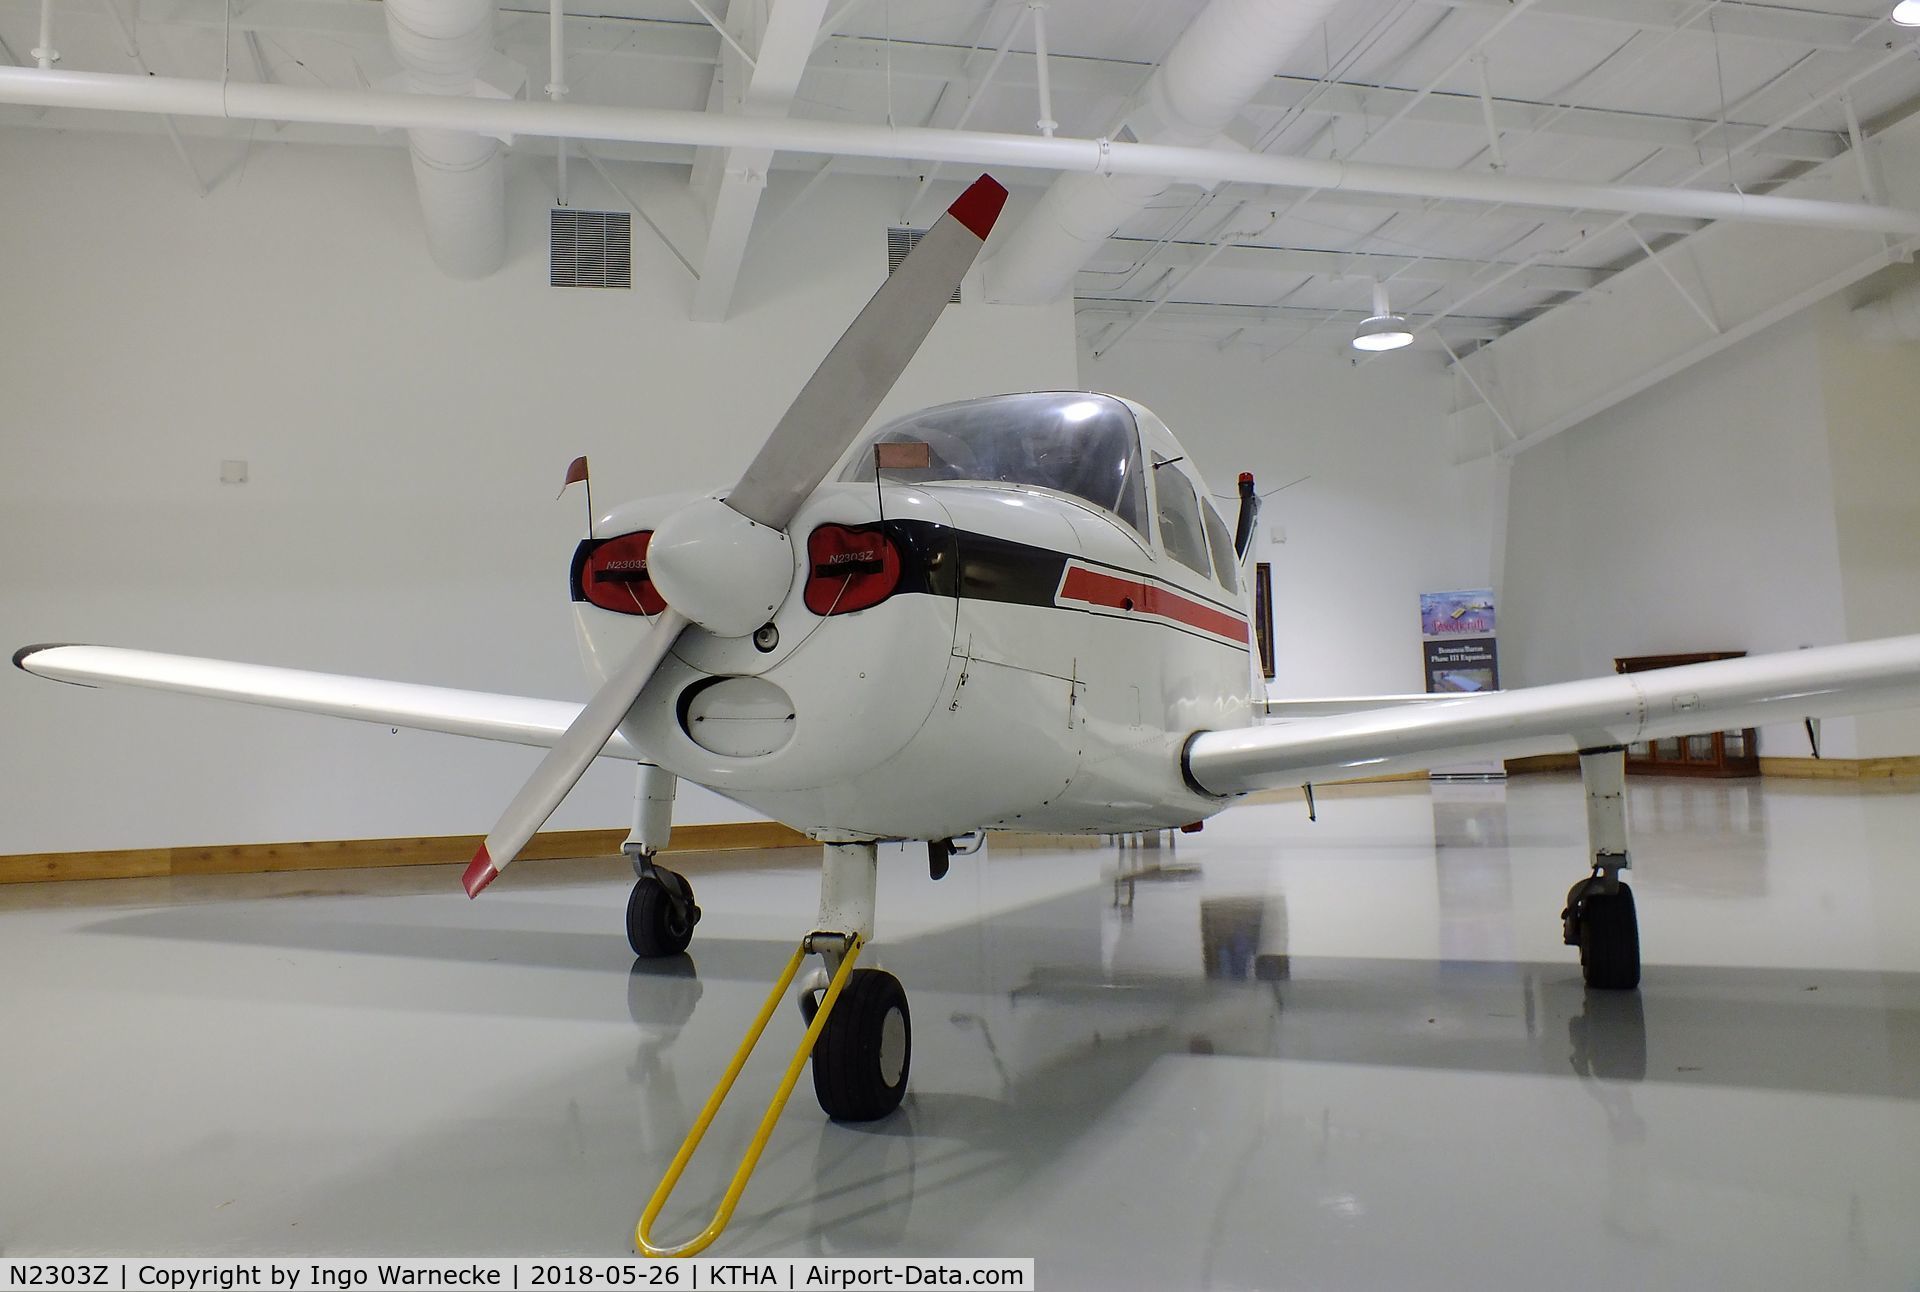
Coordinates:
[642,1241]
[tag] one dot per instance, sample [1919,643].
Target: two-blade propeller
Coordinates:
[727,565]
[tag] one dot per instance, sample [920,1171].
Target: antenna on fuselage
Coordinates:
[577,471]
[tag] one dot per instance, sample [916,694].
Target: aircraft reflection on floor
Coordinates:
[1092,1026]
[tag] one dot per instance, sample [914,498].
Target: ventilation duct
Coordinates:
[1891,319]
[1228,54]
[441,45]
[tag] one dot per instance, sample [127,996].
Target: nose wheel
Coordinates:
[661,914]
[861,1060]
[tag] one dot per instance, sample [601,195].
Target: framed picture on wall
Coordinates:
[1263,617]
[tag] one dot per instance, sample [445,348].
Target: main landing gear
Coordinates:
[1599,917]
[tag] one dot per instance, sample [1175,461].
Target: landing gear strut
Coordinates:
[661,912]
[863,1055]
[1599,917]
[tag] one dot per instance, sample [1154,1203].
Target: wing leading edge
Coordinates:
[516,719]
[1825,681]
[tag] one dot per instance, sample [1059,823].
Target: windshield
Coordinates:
[1076,443]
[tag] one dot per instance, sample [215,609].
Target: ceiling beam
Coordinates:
[1235,315]
[1092,78]
[733,179]
[1570,364]
[1122,255]
[1801,28]
[1526,117]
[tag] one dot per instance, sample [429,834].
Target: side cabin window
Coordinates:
[1181,530]
[1222,544]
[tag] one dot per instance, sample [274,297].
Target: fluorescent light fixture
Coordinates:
[1385,330]
[1382,332]
[1907,13]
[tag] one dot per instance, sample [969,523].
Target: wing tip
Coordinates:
[980,206]
[21,656]
[480,872]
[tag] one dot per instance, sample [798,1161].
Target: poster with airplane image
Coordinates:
[1457,614]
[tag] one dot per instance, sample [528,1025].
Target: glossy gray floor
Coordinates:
[1350,1054]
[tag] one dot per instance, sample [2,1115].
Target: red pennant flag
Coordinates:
[576,471]
[902,456]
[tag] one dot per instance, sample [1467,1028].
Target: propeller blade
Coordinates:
[567,761]
[863,365]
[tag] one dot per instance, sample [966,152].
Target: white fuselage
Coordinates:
[1040,667]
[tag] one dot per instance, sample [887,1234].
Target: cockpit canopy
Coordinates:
[1072,442]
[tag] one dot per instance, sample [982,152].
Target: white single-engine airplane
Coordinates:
[1014,611]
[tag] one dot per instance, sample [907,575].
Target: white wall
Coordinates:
[406,435]
[1698,515]
[1383,516]
[1872,397]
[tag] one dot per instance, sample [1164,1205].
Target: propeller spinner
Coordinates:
[726,565]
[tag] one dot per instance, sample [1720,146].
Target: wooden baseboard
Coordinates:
[1818,769]
[346,854]
[1841,769]
[1543,763]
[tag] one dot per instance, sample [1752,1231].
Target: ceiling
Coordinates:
[1701,93]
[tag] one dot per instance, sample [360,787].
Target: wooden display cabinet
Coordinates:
[1712,753]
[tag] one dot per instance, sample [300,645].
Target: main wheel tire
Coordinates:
[657,923]
[861,1060]
[1610,940]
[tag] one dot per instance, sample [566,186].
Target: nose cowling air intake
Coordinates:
[724,571]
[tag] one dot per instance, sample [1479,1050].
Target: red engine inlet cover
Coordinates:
[615,576]
[850,567]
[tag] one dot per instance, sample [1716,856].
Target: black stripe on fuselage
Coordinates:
[948,562]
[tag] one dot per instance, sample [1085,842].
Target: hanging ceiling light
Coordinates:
[1385,330]
[1907,13]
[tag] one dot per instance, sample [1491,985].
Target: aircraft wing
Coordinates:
[1600,712]
[516,719]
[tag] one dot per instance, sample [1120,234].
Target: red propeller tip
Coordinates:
[979,206]
[480,873]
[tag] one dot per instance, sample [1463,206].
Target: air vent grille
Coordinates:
[899,242]
[590,248]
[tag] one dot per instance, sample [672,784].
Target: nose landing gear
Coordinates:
[860,1061]
[661,912]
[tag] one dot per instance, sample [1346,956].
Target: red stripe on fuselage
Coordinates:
[1112,592]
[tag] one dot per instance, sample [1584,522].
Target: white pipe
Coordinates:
[557,85]
[457,169]
[44,52]
[377,108]
[173,131]
[1227,54]
[1891,319]
[1046,123]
